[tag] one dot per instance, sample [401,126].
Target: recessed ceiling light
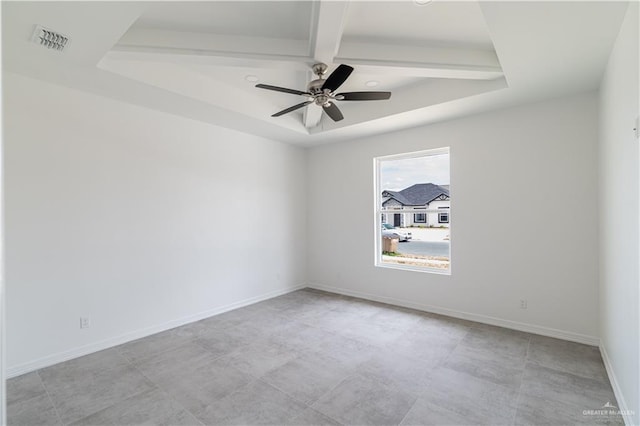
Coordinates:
[371,83]
[422,2]
[251,78]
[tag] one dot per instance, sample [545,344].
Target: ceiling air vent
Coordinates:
[49,39]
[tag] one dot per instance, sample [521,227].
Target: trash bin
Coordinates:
[390,244]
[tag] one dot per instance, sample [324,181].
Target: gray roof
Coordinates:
[419,194]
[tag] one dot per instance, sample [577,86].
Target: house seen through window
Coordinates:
[413,211]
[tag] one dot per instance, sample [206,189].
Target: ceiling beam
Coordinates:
[154,39]
[420,60]
[426,70]
[209,57]
[325,45]
[331,18]
[312,113]
[312,116]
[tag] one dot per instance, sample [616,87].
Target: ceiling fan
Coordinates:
[322,92]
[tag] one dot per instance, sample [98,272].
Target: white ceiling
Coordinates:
[285,19]
[442,60]
[403,22]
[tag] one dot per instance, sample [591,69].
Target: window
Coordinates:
[411,190]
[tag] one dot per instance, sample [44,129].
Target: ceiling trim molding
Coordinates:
[213,57]
[425,69]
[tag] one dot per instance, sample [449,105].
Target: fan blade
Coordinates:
[293,108]
[337,77]
[282,89]
[333,111]
[364,96]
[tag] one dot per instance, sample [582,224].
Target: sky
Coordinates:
[396,175]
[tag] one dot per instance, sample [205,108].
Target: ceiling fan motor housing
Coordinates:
[315,86]
[320,97]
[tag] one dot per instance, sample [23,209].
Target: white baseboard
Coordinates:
[520,326]
[621,402]
[49,360]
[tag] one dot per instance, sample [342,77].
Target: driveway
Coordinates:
[425,248]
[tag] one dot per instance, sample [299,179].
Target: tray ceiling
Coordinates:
[441,60]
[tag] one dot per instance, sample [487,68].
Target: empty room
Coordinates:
[328,212]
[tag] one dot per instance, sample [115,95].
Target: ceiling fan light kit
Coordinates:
[322,91]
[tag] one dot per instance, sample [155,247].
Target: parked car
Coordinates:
[390,231]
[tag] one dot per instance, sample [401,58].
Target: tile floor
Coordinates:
[313,358]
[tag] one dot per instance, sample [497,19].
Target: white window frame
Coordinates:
[379,211]
[424,218]
[440,217]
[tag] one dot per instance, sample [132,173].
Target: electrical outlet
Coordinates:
[523,304]
[85,322]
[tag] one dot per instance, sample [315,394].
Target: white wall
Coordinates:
[514,160]
[619,189]
[3,387]
[137,219]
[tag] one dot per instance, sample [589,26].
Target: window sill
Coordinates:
[413,268]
